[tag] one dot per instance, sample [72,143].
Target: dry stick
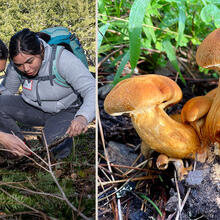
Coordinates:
[177,75]
[178,194]
[58,185]
[186,196]
[107,171]
[30,150]
[187,68]
[104,190]
[109,55]
[33,209]
[128,179]
[99,179]
[139,165]
[102,169]
[11,151]
[130,167]
[145,25]
[135,161]
[109,167]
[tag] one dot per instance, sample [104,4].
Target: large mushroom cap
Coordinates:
[208,53]
[138,93]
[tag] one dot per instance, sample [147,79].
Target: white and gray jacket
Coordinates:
[55,98]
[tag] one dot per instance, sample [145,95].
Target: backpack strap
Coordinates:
[52,61]
[58,78]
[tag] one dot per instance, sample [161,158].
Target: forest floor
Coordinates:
[29,191]
[130,185]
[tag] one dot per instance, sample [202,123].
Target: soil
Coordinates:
[203,201]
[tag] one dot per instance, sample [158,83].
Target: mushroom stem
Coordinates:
[212,125]
[164,134]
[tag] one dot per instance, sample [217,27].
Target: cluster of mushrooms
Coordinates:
[185,135]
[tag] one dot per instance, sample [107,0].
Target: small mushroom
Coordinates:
[208,56]
[144,98]
[194,112]
[163,162]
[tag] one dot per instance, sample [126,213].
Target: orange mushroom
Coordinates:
[208,56]
[163,162]
[144,98]
[194,112]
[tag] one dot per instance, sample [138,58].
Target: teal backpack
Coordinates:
[60,35]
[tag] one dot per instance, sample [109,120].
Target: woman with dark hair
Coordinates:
[43,101]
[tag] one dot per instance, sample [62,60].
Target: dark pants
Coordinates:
[13,108]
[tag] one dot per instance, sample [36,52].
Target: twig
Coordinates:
[145,25]
[139,165]
[109,55]
[11,151]
[58,141]
[124,180]
[30,150]
[178,194]
[181,206]
[58,185]
[109,167]
[104,190]
[187,68]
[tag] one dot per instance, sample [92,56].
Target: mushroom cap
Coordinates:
[208,53]
[195,108]
[141,92]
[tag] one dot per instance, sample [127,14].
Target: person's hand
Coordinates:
[14,144]
[78,126]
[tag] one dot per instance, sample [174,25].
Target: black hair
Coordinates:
[44,36]
[3,51]
[25,41]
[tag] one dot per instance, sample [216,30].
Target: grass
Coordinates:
[75,174]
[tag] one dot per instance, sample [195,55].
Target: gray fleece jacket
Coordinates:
[56,98]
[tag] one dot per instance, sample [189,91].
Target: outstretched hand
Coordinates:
[78,126]
[14,144]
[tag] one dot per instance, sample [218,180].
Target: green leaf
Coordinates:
[209,12]
[171,54]
[101,33]
[152,203]
[101,6]
[150,33]
[216,2]
[181,23]
[121,67]
[135,27]
[217,20]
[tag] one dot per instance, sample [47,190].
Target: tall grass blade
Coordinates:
[181,23]
[152,203]
[121,67]
[136,18]
[171,54]
[101,33]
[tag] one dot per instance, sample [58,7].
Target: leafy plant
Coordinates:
[162,25]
